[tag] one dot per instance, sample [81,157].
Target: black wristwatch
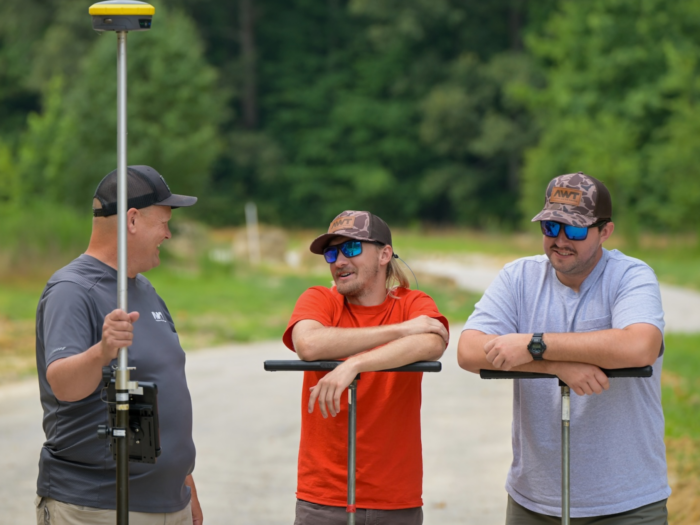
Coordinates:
[537,347]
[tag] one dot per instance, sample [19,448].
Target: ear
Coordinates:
[386,253]
[607,231]
[133,216]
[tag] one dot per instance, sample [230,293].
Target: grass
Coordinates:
[675,259]
[680,384]
[211,307]
[224,306]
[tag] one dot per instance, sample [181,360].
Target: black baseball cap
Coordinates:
[145,187]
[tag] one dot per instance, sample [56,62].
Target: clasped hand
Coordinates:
[505,352]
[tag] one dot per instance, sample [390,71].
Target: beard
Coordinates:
[574,266]
[358,286]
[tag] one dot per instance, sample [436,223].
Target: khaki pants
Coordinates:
[313,514]
[652,514]
[52,512]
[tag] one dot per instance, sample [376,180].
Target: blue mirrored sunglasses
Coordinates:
[349,249]
[573,233]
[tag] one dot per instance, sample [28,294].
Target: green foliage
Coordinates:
[366,104]
[681,386]
[425,111]
[173,110]
[619,105]
[39,235]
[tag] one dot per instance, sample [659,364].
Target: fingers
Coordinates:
[312,398]
[324,395]
[424,324]
[117,331]
[589,382]
[327,393]
[602,379]
[329,400]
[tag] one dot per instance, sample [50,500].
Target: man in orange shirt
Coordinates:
[373,321]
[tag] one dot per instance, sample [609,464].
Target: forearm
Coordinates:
[338,343]
[419,347]
[614,348]
[76,377]
[471,356]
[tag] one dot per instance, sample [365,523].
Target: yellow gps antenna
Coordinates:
[122,16]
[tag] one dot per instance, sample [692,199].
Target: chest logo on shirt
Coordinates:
[158,316]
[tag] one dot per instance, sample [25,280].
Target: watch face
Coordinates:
[535,348]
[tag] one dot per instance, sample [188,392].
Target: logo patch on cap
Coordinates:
[342,223]
[566,196]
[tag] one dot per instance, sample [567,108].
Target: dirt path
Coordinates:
[247,436]
[475,273]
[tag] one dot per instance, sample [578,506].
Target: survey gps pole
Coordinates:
[122,16]
[645,371]
[326,366]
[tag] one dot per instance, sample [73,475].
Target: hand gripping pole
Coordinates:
[645,371]
[326,366]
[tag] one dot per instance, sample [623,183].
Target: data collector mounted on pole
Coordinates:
[122,16]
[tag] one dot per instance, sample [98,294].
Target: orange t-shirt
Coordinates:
[389,452]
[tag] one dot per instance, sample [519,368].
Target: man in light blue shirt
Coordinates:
[584,308]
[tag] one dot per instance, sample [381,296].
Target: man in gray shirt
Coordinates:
[584,308]
[78,331]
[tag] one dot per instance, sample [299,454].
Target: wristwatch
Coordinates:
[536,347]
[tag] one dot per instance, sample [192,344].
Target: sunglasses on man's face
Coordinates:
[349,249]
[573,233]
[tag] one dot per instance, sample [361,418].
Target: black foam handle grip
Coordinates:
[296,365]
[642,371]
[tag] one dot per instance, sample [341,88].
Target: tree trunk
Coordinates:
[515,24]
[249,95]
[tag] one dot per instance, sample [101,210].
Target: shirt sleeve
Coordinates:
[638,299]
[68,327]
[423,304]
[315,304]
[496,312]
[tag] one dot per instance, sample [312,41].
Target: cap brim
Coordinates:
[320,242]
[563,217]
[178,201]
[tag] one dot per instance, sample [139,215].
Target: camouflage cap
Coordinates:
[360,225]
[576,199]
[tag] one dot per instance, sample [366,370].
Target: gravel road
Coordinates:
[247,437]
[247,427]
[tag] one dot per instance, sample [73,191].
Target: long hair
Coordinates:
[395,277]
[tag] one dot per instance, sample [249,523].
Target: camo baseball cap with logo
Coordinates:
[360,225]
[576,199]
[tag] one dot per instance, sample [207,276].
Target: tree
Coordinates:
[174,107]
[619,105]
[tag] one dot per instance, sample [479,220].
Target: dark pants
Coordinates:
[652,514]
[313,514]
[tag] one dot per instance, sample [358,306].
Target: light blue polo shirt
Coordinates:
[618,456]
